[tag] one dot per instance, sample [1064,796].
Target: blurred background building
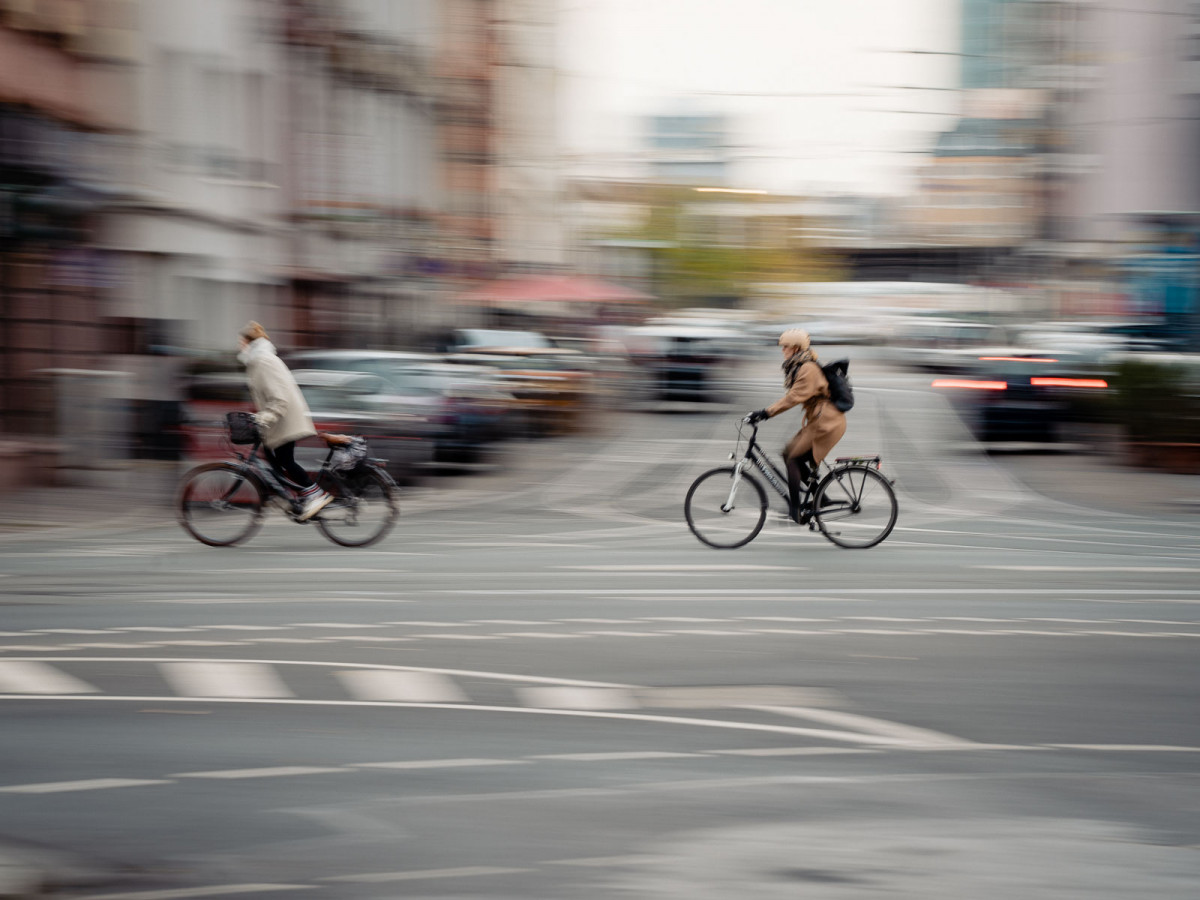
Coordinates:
[346,171]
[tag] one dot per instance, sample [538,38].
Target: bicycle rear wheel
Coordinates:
[722,515]
[220,504]
[855,507]
[363,510]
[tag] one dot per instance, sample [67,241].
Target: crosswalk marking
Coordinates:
[410,687]
[26,677]
[224,679]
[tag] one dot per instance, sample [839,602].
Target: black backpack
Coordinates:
[840,393]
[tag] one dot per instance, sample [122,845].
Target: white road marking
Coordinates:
[418,687]
[880,730]
[22,677]
[577,698]
[615,756]
[224,679]
[685,567]
[605,861]
[1127,748]
[93,784]
[271,772]
[215,890]
[422,874]
[439,763]
[794,751]
[1091,568]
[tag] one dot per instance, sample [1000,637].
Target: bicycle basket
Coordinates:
[242,428]
[347,457]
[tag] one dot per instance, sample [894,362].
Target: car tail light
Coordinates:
[1069,382]
[970,385]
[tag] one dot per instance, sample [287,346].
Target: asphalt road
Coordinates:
[542,686]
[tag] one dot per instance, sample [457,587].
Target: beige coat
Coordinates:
[282,414]
[824,424]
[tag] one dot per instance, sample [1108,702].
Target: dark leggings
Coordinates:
[283,461]
[800,470]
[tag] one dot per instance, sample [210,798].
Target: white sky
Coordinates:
[621,59]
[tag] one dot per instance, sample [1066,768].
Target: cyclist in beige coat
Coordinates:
[824,424]
[282,415]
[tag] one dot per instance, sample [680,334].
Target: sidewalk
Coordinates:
[1099,481]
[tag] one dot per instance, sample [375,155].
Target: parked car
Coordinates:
[678,361]
[341,402]
[1011,394]
[550,388]
[466,408]
[939,344]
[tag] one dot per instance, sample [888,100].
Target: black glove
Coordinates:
[757,416]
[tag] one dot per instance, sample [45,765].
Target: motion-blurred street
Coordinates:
[541,685]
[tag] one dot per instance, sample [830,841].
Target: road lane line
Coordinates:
[25,677]
[417,687]
[269,772]
[423,874]
[92,784]
[438,763]
[577,698]
[224,679]
[719,724]
[1134,569]
[794,751]
[1127,748]
[215,890]
[614,756]
[684,567]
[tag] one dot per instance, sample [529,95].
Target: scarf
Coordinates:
[257,349]
[792,365]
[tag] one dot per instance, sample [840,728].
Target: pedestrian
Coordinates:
[281,414]
[823,425]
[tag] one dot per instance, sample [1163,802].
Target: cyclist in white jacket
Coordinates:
[282,415]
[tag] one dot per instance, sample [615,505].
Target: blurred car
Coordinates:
[939,344]
[341,402]
[1100,340]
[1021,395]
[829,331]
[683,361]
[355,403]
[465,407]
[207,398]
[468,339]
[550,388]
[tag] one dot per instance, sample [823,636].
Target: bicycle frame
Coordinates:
[756,455]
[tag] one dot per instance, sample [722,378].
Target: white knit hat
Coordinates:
[794,337]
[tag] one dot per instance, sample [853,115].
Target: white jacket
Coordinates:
[282,413]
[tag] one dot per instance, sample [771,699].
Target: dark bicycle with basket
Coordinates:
[224,503]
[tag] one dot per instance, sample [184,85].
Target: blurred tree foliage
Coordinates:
[1156,403]
[700,250]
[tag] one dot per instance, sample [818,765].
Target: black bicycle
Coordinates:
[853,504]
[224,503]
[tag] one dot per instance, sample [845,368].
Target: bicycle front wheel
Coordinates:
[363,510]
[855,507]
[725,509]
[220,504]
